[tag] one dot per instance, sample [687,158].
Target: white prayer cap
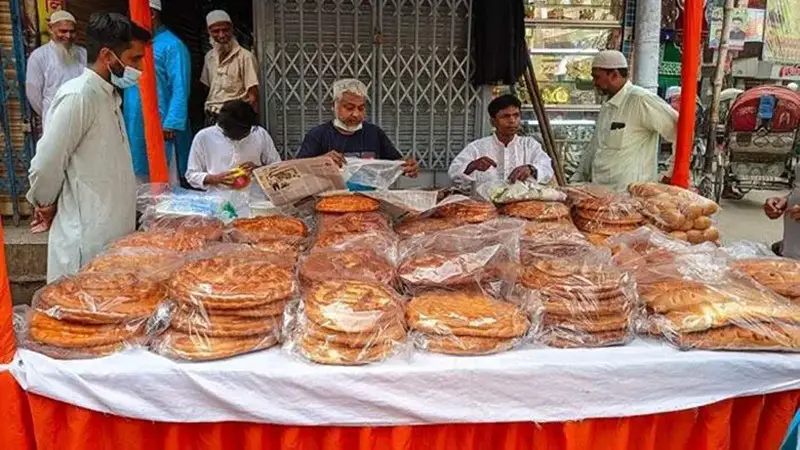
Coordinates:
[155,4]
[793,86]
[217,16]
[59,16]
[610,59]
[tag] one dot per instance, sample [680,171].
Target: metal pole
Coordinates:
[690,64]
[719,74]
[646,44]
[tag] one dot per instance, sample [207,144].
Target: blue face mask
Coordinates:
[129,78]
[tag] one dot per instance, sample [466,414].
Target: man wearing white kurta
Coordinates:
[236,143]
[624,148]
[81,177]
[53,64]
[504,155]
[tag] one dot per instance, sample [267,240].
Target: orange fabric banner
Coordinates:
[154,135]
[8,345]
[751,423]
[16,427]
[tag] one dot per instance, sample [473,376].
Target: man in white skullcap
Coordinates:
[624,148]
[230,71]
[54,63]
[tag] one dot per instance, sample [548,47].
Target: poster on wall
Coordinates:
[742,30]
[782,32]
[45,8]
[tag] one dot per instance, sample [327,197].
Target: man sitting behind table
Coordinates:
[504,155]
[348,134]
[224,152]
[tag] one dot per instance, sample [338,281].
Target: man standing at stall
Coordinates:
[81,177]
[624,148]
[504,155]
[54,63]
[349,134]
[230,71]
[173,84]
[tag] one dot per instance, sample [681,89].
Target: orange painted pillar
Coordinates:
[156,156]
[690,64]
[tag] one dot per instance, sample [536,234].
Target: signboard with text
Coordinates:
[782,32]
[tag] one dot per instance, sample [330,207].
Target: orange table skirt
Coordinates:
[750,423]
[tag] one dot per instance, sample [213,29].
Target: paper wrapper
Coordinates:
[347,323]
[92,314]
[465,322]
[291,181]
[227,301]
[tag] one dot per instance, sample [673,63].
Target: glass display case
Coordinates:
[563,36]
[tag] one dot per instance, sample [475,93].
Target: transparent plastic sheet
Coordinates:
[291,230]
[478,255]
[347,322]
[578,192]
[356,258]
[580,302]
[465,322]
[164,238]
[542,211]
[681,212]
[347,203]
[747,249]
[92,314]
[781,275]
[548,240]
[155,201]
[207,228]
[147,262]
[698,301]
[374,173]
[467,210]
[500,192]
[374,240]
[607,216]
[419,225]
[226,301]
[352,223]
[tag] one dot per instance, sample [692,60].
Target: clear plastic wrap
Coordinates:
[548,240]
[374,240]
[347,322]
[92,314]
[747,250]
[207,228]
[268,228]
[683,213]
[582,302]
[578,192]
[698,301]
[156,201]
[415,226]
[607,216]
[465,322]
[468,256]
[166,239]
[347,203]
[781,275]
[349,261]
[374,173]
[227,301]
[500,192]
[352,223]
[469,211]
[151,263]
[535,210]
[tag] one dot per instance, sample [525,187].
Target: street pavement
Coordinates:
[745,220]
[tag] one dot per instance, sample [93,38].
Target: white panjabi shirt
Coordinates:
[522,150]
[47,72]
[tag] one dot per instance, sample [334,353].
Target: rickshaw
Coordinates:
[759,144]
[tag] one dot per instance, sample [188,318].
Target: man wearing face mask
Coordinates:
[224,155]
[54,63]
[230,71]
[81,177]
[348,134]
[173,79]
[624,148]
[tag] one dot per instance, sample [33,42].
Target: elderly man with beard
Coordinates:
[54,63]
[230,71]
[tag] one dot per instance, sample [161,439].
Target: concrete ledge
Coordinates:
[26,258]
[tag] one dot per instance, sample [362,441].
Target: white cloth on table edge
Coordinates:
[530,384]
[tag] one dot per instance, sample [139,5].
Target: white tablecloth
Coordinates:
[530,384]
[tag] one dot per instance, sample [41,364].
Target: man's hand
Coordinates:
[794,212]
[43,218]
[774,207]
[248,167]
[337,157]
[522,173]
[411,168]
[225,178]
[481,164]
[169,135]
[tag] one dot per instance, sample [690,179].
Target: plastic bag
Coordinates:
[163,239]
[468,256]
[373,173]
[206,228]
[268,228]
[148,262]
[698,301]
[582,302]
[352,223]
[92,314]
[686,215]
[347,322]
[578,192]
[607,216]
[469,211]
[500,191]
[536,210]
[155,201]
[346,203]
[465,322]
[748,249]
[548,240]
[228,301]
[781,275]
[415,226]
[350,260]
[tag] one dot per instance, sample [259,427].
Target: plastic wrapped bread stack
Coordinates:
[681,213]
[548,240]
[353,259]
[583,302]
[602,217]
[697,301]
[468,211]
[465,322]
[206,228]
[416,226]
[92,314]
[348,322]
[227,302]
[277,235]
[341,217]
[163,238]
[147,262]
[781,275]
[580,192]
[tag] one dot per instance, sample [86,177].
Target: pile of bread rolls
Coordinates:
[681,213]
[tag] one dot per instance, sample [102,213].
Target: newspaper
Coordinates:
[288,182]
